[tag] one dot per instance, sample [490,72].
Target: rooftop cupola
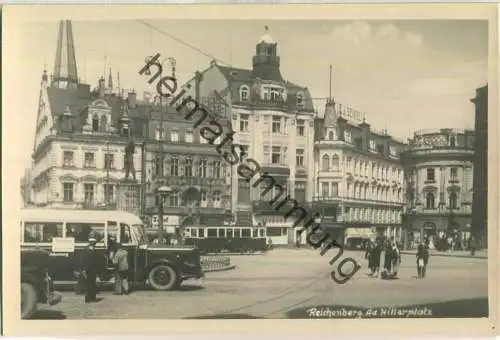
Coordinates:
[266,62]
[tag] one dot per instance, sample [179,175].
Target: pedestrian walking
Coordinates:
[472,245]
[422,260]
[388,256]
[396,259]
[89,267]
[375,258]
[120,261]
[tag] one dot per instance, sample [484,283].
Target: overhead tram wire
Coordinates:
[182,42]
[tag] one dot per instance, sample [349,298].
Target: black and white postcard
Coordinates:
[175,164]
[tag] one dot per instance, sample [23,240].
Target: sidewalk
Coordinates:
[481,254]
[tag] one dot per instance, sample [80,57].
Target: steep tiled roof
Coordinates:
[233,74]
[238,76]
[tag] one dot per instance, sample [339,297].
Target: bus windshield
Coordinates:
[141,234]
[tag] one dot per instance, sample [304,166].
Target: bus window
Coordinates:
[237,233]
[112,230]
[222,232]
[125,235]
[42,232]
[261,232]
[81,231]
[211,232]
[245,232]
[201,232]
[229,233]
[255,233]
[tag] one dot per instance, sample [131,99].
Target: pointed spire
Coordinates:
[65,70]
[110,80]
[45,77]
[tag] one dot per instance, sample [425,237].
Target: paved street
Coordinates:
[273,284]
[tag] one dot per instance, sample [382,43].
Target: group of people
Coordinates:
[91,263]
[392,258]
[389,251]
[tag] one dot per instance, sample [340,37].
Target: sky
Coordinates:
[405,75]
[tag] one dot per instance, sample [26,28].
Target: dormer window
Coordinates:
[393,151]
[95,123]
[273,93]
[347,136]
[373,147]
[300,99]
[452,140]
[104,123]
[244,92]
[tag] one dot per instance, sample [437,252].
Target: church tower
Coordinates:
[266,62]
[65,73]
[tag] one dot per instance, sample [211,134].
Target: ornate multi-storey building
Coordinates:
[273,122]
[80,136]
[197,178]
[480,198]
[358,176]
[439,180]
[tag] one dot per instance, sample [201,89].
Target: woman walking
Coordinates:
[422,260]
[396,259]
[120,260]
[388,257]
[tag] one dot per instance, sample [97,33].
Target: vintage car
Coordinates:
[36,283]
[65,234]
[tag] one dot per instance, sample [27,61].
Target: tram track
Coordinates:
[272,301]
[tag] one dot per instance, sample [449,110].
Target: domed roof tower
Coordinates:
[266,62]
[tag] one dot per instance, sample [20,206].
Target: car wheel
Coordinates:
[28,300]
[163,277]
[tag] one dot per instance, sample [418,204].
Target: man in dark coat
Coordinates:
[89,267]
[388,256]
[472,245]
[422,260]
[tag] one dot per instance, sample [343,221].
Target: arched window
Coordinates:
[335,163]
[325,163]
[104,123]
[244,93]
[453,200]
[95,123]
[429,200]
[330,135]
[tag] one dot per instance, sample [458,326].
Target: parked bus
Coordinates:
[65,233]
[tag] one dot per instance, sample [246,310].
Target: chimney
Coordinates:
[132,99]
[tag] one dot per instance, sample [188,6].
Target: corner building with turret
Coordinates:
[273,122]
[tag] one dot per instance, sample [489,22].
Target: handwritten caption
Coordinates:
[376,312]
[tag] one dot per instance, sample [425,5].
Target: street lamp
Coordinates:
[163,189]
[162,192]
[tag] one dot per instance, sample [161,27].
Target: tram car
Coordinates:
[232,239]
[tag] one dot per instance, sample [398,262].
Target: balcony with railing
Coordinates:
[358,200]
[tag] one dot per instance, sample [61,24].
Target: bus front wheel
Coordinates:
[163,277]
